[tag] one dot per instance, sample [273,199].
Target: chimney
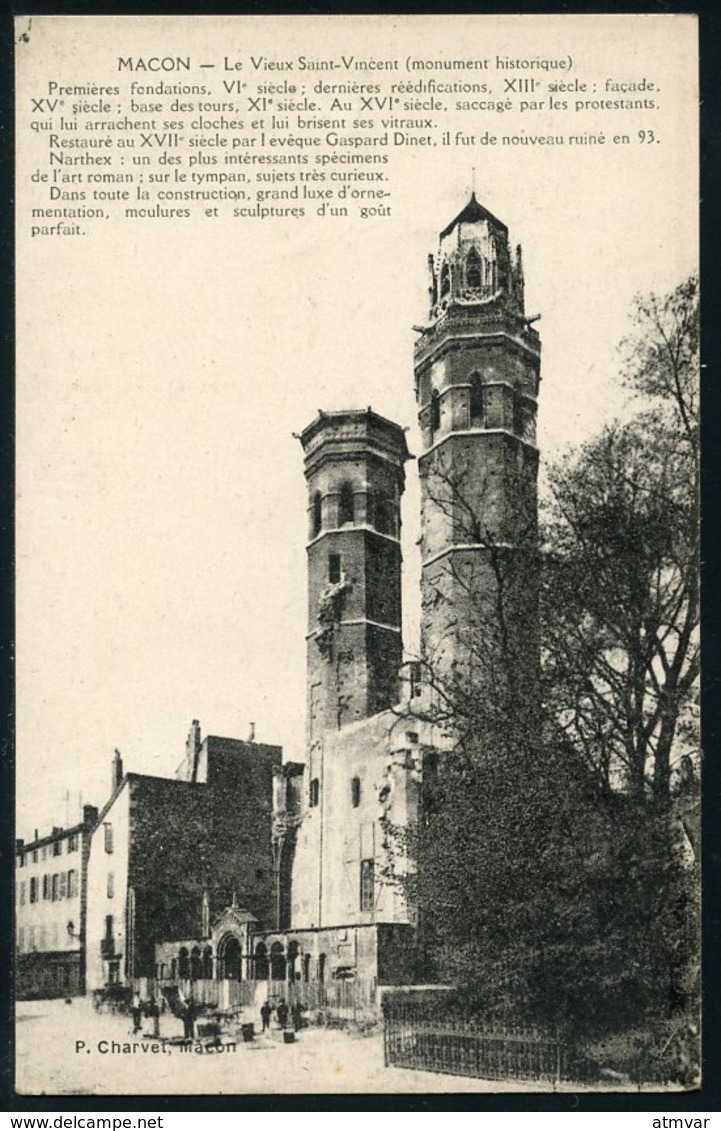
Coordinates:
[192,750]
[117,772]
[90,814]
[251,735]
[193,743]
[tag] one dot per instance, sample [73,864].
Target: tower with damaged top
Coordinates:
[354,471]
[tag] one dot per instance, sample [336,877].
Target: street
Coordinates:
[73,1050]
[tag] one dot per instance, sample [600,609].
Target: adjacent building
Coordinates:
[170,854]
[51,910]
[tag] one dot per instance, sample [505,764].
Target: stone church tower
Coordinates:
[374,746]
[477,371]
[354,471]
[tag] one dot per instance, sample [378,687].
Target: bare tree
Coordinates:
[480,601]
[621,587]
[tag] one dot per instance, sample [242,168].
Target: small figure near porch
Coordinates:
[136,1012]
[188,1015]
[153,1012]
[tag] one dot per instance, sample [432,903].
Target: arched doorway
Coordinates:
[262,968]
[277,962]
[293,952]
[230,958]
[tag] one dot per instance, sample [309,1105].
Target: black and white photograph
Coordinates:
[357,555]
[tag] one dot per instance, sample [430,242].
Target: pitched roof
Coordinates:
[472,212]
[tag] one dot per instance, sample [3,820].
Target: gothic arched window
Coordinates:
[196,965]
[476,400]
[317,514]
[445,280]
[183,963]
[435,411]
[207,962]
[474,270]
[346,505]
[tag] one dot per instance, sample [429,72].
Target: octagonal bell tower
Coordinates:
[477,372]
[354,471]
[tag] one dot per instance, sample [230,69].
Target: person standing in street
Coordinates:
[154,1015]
[136,1012]
[189,1020]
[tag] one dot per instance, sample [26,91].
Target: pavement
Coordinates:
[71,1049]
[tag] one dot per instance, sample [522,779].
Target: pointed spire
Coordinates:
[472,212]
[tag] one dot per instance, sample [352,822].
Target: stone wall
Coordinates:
[346,826]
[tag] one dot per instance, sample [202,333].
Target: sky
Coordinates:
[163,369]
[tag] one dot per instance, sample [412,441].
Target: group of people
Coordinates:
[150,1008]
[283,1012]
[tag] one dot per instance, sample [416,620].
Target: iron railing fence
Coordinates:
[436,1042]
